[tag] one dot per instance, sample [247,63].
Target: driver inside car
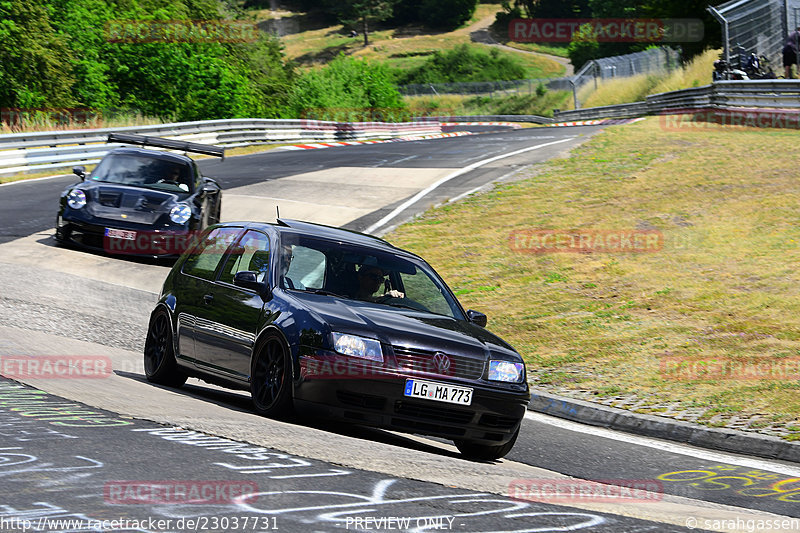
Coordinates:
[370,279]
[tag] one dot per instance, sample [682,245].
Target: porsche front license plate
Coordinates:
[121,234]
[417,388]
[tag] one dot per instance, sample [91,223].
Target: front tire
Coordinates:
[270,383]
[159,353]
[485,452]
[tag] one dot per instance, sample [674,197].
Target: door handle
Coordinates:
[208,298]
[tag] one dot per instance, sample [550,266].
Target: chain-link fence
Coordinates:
[753,26]
[653,61]
[647,62]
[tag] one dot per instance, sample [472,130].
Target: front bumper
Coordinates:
[149,242]
[493,417]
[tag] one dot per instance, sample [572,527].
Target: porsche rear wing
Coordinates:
[159,142]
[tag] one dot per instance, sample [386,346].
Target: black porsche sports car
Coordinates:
[340,324]
[140,202]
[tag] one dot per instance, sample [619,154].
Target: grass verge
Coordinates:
[460,105]
[724,288]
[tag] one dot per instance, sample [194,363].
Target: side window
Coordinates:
[204,258]
[250,253]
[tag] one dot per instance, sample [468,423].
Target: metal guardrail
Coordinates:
[534,119]
[26,152]
[30,152]
[764,94]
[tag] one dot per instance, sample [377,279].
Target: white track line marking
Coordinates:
[414,199]
[671,447]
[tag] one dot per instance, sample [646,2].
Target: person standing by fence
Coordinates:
[791,52]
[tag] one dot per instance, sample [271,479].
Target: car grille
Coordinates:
[109,199]
[433,412]
[499,422]
[426,361]
[361,400]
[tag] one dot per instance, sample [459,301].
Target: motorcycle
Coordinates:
[750,67]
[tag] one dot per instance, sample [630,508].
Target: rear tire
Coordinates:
[159,353]
[485,452]
[271,380]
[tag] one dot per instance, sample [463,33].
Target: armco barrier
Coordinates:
[765,94]
[29,152]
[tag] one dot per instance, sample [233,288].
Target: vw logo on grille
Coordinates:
[441,363]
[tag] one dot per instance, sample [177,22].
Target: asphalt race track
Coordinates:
[77,452]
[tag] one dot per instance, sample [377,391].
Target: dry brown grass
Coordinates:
[403,48]
[696,73]
[725,286]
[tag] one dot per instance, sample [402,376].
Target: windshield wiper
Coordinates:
[323,292]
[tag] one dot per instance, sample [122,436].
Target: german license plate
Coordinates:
[429,390]
[121,234]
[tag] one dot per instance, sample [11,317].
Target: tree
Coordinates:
[365,12]
[583,46]
[34,59]
[447,14]
[559,9]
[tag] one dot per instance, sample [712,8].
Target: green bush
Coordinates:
[347,89]
[466,63]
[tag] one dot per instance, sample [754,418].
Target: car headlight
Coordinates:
[506,371]
[180,214]
[358,347]
[76,198]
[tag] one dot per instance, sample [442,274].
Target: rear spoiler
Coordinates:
[143,140]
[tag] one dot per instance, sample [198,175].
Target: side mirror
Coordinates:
[248,279]
[80,172]
[476,318]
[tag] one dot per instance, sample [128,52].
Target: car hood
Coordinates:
[405,328]
[133,204]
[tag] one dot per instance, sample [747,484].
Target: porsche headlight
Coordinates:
[506,371]
[180,214]
[358,347]
[76,198]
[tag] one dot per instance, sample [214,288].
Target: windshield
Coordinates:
[361,273]
[142,171]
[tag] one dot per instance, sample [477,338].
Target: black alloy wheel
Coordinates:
[159,353]
[271,380]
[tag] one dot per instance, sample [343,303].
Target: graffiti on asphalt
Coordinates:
[36,404]
[419,513]
[741,480]
[257,460]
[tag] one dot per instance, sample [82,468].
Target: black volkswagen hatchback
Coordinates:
[340,324]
